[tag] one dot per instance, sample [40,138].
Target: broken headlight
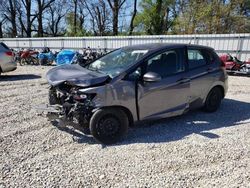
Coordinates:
[79,96]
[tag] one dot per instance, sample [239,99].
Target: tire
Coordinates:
[53,97]
[35,61]
[43,61]
[213,100]
[108,126]
[22,62]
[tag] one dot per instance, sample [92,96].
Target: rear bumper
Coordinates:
[7,67]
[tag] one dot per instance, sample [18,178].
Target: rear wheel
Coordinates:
[213,100]
[108,125]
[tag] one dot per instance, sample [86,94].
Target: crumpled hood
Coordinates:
[75,75]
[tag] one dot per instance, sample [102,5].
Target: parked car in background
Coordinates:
[134,83]
[7,61]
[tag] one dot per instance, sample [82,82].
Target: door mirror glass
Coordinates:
[151,77]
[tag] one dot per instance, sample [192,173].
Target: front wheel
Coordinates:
[213,100]
[108,126]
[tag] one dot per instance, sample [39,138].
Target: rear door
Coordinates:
[200,70]
[170,95]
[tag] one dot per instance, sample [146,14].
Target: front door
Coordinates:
[170,95]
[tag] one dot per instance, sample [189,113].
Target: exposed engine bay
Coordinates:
[71,105]
[65,98]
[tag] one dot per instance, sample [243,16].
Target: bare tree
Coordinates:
[115,5]
[42,5]
[26,17]
[55,15]
[75,14]
[100,16]
[81,16]
[9,11]
[2,21]
[131,27]
[92,16]
[1,28]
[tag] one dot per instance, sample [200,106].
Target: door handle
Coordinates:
[183,80]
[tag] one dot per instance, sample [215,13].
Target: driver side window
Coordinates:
[166,63]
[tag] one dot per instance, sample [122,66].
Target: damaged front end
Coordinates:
[68,104]
[66,100]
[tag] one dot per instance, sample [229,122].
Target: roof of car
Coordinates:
[159,46]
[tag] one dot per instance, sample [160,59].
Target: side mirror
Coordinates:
[151,77]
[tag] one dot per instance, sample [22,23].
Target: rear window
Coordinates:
[4,45]
[210,56]
[196,59]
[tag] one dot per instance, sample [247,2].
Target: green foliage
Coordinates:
[193,16]
[212,16]
[153,18]
[71,31]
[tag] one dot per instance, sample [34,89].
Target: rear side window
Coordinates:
[210,56]
[196,59]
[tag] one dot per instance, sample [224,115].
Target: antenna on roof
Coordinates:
[190,41]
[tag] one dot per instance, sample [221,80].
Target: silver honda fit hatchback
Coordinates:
[134,83]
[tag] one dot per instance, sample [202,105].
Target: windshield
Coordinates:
[116,62]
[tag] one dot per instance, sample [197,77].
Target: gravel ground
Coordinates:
[193,150]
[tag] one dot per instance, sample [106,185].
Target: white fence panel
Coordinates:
[235,44]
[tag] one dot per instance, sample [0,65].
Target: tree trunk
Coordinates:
[115,17]
[116,6]
[28,20]
[75,16]
[1,30]
[40,19]
[131,28]
[13,10]
[166,20]
[158,19]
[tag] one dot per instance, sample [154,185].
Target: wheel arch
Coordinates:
[221,89]
[220,86]
[125,110]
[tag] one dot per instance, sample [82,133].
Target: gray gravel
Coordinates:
[193,150]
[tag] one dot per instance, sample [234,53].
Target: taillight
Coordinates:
[9,53]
